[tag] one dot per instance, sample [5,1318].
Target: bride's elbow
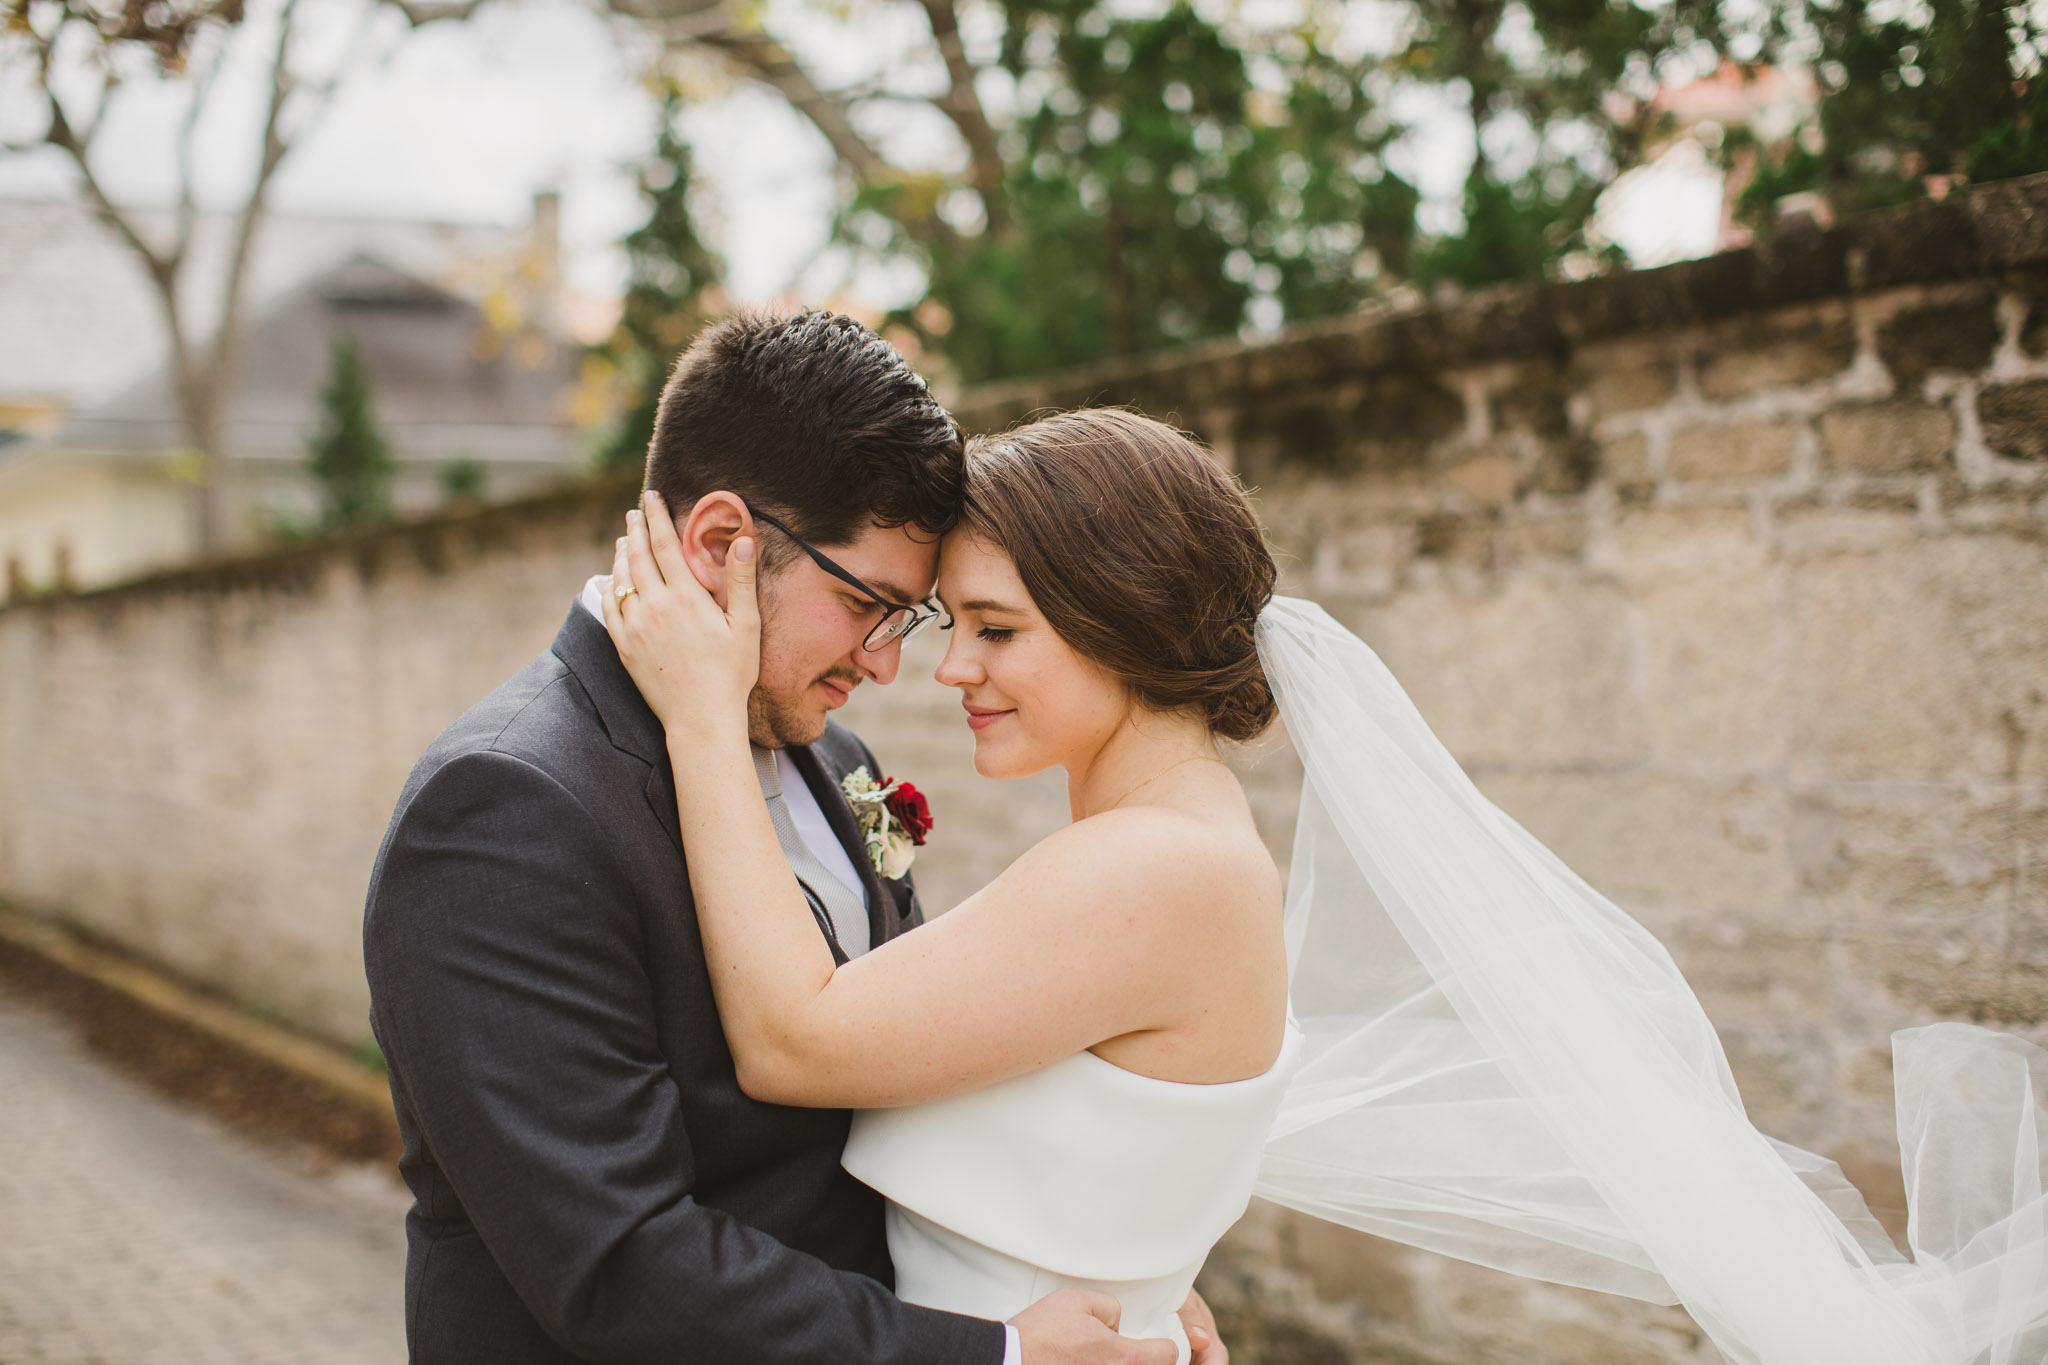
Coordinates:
[773,1075]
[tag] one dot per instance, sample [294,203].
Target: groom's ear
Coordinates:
[707,533]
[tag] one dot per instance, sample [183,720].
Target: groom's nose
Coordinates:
[881,664]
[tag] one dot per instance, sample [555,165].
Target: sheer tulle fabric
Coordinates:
[1502,1066]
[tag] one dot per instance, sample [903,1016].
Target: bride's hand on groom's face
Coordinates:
[693,661]
[1076,1327]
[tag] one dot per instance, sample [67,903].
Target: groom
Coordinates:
[589,1182]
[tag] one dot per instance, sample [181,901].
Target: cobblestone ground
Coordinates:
[136,1232]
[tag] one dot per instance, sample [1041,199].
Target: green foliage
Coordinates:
[369,1055]
[670,271]
[1559,95]
[1149,176]
[1154,195]
[1176,177]
[1950,89]
[350,457]
[1150,200]
[462,479]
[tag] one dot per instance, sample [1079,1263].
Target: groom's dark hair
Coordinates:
[813,419]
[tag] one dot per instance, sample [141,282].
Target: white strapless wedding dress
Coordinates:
[1080,1175]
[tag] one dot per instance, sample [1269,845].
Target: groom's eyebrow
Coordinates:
[894,592]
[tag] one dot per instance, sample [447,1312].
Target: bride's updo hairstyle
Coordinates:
[1140,550]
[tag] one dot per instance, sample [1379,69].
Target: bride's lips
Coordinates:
[981,717]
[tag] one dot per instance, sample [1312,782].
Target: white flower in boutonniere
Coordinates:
[893,816]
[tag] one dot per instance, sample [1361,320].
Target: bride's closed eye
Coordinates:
[995,635]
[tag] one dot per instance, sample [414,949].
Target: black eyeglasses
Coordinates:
[900,620]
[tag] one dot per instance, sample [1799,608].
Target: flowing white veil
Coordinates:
[1502,1066]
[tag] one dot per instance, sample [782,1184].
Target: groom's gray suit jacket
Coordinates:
[589,1182]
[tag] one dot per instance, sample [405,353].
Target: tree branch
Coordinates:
[188,209]
[768,61]
[420,13]
[676,22]
[275,145]
[61,135]
[962,105]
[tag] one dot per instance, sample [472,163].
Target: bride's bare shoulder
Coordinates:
[1158,856]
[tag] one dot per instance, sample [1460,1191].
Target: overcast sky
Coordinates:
[465,122]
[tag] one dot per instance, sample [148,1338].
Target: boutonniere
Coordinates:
[893,817]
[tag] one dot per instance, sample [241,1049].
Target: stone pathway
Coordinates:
[137,1232]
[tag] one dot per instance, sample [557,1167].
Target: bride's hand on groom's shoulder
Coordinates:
[694,661]
[1078,1327]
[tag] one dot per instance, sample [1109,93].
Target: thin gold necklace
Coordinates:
[1194,758]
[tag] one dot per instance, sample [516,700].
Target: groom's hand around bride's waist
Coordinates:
[1203,1339]
[1078,1327]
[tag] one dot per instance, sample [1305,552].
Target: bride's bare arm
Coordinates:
[1066,949]
[1097,932]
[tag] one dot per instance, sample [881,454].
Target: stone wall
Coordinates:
[1744,613]
[199,768]
[1729,580]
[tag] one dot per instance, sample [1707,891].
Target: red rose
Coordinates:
[911,810]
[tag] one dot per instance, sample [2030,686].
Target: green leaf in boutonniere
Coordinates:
[890,848]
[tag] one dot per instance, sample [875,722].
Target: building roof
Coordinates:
[80,321]
[444,384]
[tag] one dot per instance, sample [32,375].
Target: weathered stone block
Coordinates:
[2032,288]
[1747,450]
[1489,479]
[1534,401]
[1625,459]
[1785,361]
[1655,844]
[1329,540]
[2010,510]
[1813,531]
[1921,659]
[1302,435]
[1350,1266]
[1618,384]
[1712,676]
[1532,672]
[1780,1072]
[1926,866]
[1957,337]
[1983,990]
[1567,466]
[1553,537]
[2015,418]
[1887,438]
[2032,890]
[1877,1177]
[1398,417]
[1466,540]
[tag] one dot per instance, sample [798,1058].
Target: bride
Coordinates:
[1079,1076]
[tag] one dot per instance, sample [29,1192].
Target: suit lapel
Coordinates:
[824,785]
[661,799]
[631,724]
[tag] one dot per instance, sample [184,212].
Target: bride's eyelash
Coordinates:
[995,635]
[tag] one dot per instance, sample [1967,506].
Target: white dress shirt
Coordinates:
[817,832]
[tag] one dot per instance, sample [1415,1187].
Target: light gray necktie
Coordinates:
[842,903]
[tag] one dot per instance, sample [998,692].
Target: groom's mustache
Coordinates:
[847,680]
